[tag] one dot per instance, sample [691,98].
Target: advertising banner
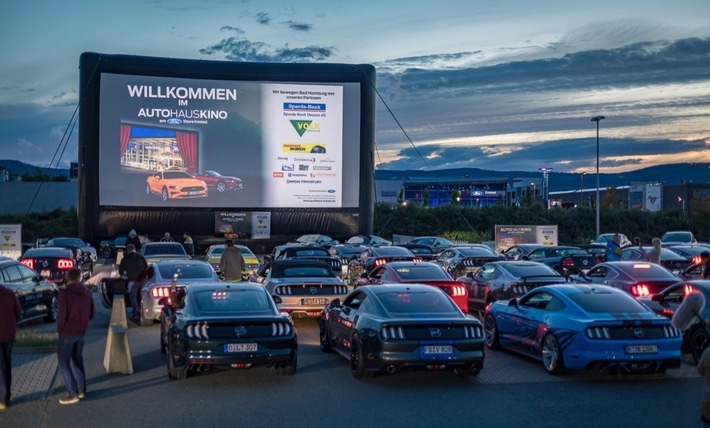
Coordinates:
[509,235]
[11,240]
[260,225]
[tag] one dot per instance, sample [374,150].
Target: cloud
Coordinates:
[263,18]
[298,26]
[239,48]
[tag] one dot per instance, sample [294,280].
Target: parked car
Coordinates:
[156,290]
[678,237]
[422,251]
[159,251]
[81,249]
[110,247]
[303,287]
[172,184]
[221,183]
[518,251]
[564,259]
[436,243]
[346,252]
[602,239]
[38,297]
[316,239]
[666,303]
[458,261]
[367,240]
[398,326]
[311,253]
[578,326]
[507,279]
[377,256]
[690,252]
[636,278]
[418,273]
[669,259]
[226,325]
[214,254]
[53,263]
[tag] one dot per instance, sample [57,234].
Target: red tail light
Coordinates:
[457,290]
[417,259]
[687,289]
[159,292]
[28,262]
[380,262]
[640,290]
[65,264]
[697,260]
[567,263]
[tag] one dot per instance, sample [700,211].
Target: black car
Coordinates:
[636,278]
[422,251]
[226,325]
[397,326]
[54,262]
[309,252]
[376,256]
[82,250]
[346,252]
[459,261]
[507,279]
[38,298]
[670,260]
[518,251]
[565,260]
[111,247]
[666,302]
[368,241]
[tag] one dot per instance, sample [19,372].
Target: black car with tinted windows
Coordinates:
[387,328]
[377,256]
[53,263]
[82,250]
[459,261]
[310,252]
[226,325]
[670,260]
[564,259]
[636,278]
[38,298]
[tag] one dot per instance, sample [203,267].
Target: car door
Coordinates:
[38,292]
[526,322]
[598,275]
[481,285]
[343,318]
[12,279]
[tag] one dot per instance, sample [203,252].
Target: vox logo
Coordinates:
[301,126]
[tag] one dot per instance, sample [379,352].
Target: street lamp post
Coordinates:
[545,186]
[581,188]
[597,119]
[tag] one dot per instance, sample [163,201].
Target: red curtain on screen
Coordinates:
[125,137]
[187,143]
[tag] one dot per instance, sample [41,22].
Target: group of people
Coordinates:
[75,310]
[613,249]
[188,243]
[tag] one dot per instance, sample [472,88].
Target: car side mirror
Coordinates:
[277,300]
[335,303]
[513,302]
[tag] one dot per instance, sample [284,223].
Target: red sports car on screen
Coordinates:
[220,182]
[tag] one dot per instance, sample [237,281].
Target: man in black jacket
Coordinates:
[131,266]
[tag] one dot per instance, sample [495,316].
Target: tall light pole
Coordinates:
[581,188]
[597,119]
[545,187]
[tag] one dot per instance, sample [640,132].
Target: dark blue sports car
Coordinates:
[579,326]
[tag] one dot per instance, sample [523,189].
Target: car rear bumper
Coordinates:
[403,355]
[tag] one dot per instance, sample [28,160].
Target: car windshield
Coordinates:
[422,250]
[74,242]
[308,252]
[150,250]
[356,240]
[647,271]
[572,252]
[305,239]
[412,303]
[217,251]
[301,272]
[197,271]
[246,252]
[611,303]
[476,252]
[176,174]
[391,251]
[676,237]
[225,301]
[528,269]
[421,272]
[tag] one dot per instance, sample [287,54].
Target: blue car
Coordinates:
[580,326]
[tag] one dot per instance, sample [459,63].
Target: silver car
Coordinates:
[157,289]
[302,287]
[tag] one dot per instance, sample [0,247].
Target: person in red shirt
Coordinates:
[9,314]
[76,309]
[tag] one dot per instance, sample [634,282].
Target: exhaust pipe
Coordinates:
[391,369]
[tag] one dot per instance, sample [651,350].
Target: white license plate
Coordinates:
[240,347]
[193,193]
[314,302]
[45,273]
[434,350]
[641,349]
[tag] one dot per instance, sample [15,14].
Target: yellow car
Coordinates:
[251,263]
[175,185]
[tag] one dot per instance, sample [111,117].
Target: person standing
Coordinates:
[653,256]
[231,264]
[134,239]
[130,267]
[9,315]
[705,262]
[167,238]
[76,309]
[613,249]
[188,244]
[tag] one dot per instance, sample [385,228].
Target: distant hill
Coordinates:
[664,174]
[16,168]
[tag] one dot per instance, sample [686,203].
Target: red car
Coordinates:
[220,182]
[418,273]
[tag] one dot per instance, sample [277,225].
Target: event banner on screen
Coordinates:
[175,142]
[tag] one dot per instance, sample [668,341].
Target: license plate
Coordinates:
[314,302]
[437,350]
[46,273]
[641,349]
[193,193]
[240,347]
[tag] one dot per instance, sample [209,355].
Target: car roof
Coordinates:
[400,288]
[48,252]
[213,285]
[298,262]
[569,288]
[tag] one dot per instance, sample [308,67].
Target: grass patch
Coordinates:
[36,340]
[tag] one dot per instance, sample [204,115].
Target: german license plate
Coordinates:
[314,302]
[641,349]
[240,347]
[46,273]
[437,350]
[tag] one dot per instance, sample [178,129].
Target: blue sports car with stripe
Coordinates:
[581,326]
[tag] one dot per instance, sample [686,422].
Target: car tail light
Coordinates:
[670,331]
[281,329]
[392,333]
[687,289]
[340,289]
[640,290]
[519,289]
[417,260]
[697,260]
[160,292]
[380,262]
[473,332]
[567,263]
[198,331]
[65,263]
[456,290]
[598,333]
[28,262]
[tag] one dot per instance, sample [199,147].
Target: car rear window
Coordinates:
[233,301]
[416,302]
[612,303]
[476,252]
[647,271]
[302,272]
[520,270]
[308,252]
[186,271]
[150,250]
[391,251]
[421,272]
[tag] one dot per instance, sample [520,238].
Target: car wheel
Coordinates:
[106,251]
[357,361]
[325,344]
[145,322]
[221,187]
[174,373]
[698,343]
[163,345]
[490,330]
[164,194]
[551,354]
[105,301]
[290,368]
[53,310]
